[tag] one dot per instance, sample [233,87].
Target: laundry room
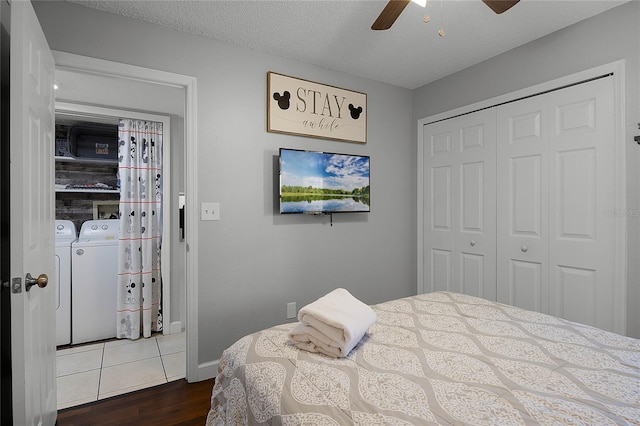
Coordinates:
[86,182]
[116,283]
[102,322]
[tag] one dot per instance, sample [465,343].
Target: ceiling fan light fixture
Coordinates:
[500,6]
[394,8]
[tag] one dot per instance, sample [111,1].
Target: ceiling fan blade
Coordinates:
[499,6]
[389,14]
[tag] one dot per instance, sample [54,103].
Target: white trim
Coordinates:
[208,370]
[165,255]
[620,277]
[98,111]
[420,204]
[85,64]
[616,68]
[73,62]
[191,225]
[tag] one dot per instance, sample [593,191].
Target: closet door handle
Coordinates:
[472,243]
[524,248]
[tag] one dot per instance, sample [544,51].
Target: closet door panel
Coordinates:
[525,284]
[472,197]
[522,207]
[576,194]
[472,230]
[571,282]
[581,236]
[442,241]
[459,222]
[441,270]
[472,274]
[475,236]
[441,199]
[440,163]
[525,207]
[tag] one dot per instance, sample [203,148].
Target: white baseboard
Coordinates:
[208,370]
[175,327]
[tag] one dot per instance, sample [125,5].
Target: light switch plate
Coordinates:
[210,211]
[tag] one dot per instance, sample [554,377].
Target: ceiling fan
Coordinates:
[393,9]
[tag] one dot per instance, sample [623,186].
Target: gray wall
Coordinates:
[605,38]
[254,261]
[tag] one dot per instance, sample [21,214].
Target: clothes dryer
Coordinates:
[65,236]
[94,266]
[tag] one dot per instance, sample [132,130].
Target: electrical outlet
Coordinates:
[210,211]
[292,312]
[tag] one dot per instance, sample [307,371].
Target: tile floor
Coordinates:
[97,371]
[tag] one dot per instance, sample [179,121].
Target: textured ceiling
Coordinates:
[337,35]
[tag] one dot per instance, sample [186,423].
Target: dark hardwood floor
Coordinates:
[174,403]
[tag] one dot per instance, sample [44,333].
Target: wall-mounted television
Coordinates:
[313,182]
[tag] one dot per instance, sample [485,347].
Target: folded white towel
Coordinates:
[336,320]
[308,338]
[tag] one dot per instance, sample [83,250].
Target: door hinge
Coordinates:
[16,285]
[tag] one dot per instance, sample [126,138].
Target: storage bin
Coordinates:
[94,141]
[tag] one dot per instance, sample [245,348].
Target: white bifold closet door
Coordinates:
[556,181]
[460,202]
[515,202]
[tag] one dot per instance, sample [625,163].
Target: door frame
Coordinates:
[617,71]
[6,382]
[79,63]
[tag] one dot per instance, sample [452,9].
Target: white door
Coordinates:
[459,205]
[33,330]
[556,181]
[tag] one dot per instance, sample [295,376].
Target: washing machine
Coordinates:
[94,277]
[65,236]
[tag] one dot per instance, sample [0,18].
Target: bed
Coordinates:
[437,358]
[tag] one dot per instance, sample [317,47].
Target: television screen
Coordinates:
[321,182]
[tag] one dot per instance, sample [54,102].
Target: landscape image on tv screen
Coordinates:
[320,182]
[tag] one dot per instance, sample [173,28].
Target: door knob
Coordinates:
[41,281]
[472,243]
[524,248]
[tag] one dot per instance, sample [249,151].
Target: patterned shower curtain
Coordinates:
[139,309]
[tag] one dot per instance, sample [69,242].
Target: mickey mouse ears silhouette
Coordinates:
[283,100]
[355,112]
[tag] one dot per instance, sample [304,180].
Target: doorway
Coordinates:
[79,90]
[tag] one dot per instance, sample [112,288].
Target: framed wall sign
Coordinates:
[302,107]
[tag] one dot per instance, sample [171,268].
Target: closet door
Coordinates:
[556,181]
[459,205]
